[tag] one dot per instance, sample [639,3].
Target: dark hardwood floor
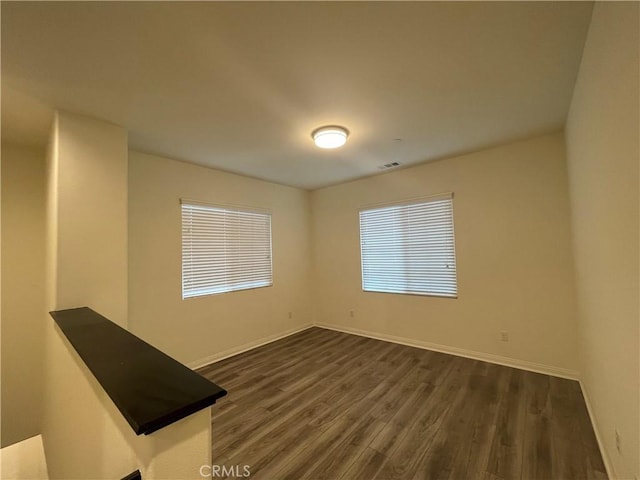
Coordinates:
[328,405]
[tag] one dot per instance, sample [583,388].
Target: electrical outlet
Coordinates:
[504,336]
[618,442]
[352,313]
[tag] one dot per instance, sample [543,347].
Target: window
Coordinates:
[224,249]
[409,248]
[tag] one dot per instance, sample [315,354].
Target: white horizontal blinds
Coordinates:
[224,250]
[409,248]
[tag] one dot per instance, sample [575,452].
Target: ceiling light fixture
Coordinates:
[331,136]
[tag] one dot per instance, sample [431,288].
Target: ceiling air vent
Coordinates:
[389,165]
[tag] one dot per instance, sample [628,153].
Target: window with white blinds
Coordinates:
[224,249]
[409,248]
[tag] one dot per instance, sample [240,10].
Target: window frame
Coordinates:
[407,203]
[228,286]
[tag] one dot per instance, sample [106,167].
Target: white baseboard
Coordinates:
[216,357]
[461,352]
[603,451]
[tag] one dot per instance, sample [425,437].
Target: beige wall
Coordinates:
[513,257]
[603,155]
[23,460]
[23,227]
[199,329]
[84,434]
[91,215]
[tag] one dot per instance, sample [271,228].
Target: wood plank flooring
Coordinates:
[328,405]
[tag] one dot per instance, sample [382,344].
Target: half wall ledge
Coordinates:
[151,389]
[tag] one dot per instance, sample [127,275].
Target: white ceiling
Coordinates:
[240,85]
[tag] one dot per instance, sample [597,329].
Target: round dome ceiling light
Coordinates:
[331,136]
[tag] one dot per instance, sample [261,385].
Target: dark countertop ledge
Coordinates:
[151,389]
